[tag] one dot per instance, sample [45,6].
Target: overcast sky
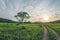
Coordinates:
[36,8]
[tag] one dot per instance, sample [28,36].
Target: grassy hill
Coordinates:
[5,20]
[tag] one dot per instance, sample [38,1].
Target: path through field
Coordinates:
[45,33]
[57,37]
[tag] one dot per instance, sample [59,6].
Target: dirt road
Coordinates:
[57,36]
[45,34]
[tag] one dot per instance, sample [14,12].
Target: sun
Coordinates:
[46,18]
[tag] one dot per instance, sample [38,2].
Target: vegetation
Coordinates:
[9,31]
[51,35]
[26,31]
[55,26]
[21,16]
[6,20]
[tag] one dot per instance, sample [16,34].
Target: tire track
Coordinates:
[45,34]
[57,37]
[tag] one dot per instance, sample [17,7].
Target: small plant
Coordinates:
[23,27]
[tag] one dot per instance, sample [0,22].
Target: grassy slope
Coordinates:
[51,35]
[55,26]
[10,31]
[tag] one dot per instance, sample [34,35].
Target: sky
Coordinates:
[37,9]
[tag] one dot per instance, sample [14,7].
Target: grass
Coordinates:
[10,31]
[51,35]
[55,26]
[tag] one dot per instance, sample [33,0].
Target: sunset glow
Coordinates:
[44,10]
[46,18]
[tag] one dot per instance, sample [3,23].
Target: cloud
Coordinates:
[36,8]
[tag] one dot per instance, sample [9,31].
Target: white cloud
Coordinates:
[36,8]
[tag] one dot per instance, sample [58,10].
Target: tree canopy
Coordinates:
[22,16]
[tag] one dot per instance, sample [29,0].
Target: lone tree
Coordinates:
[22,16]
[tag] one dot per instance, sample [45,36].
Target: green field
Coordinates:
[55,26]
[10,31]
